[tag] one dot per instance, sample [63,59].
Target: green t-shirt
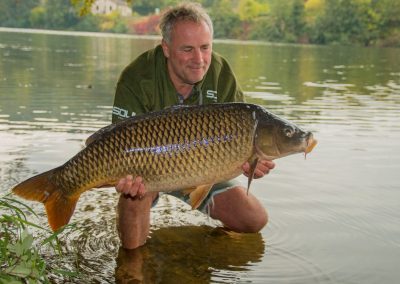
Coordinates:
[145,86]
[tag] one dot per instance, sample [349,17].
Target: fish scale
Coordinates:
[185,147]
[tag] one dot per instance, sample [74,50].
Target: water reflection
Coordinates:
[333,218]
[192,254]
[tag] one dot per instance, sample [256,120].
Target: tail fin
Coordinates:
[59,208]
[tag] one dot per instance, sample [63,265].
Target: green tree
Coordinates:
[60,14]
[273,26]
[251,9]
[37,17]
[389,24]
[15,13]
[226,23]
[89,23]
[112,23]
[296,21]
[347,21]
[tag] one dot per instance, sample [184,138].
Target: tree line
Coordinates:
[361,22]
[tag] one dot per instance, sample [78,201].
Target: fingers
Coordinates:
[131,187]
[263,168]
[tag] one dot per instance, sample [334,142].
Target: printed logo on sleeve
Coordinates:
[121,112]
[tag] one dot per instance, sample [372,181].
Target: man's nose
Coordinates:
[197,56]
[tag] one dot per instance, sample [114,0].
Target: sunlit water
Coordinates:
[334,217]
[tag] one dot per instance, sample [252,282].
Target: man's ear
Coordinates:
[165,48]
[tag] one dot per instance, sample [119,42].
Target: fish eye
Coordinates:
[289,131]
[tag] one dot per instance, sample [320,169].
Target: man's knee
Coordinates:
[258,222]
[239,211]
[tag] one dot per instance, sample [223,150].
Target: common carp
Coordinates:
[188,148]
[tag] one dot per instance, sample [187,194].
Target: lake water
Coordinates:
[334,217]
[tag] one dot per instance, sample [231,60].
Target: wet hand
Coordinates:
[131,187]
[263,168]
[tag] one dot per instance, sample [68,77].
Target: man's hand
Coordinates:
[130,187]
[263,168]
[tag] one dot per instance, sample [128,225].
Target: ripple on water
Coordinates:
[312,226]
[182,245]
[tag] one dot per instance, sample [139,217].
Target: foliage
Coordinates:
[250,9]
[226,23]
[146,25]
[365,22]
[89,23]
[83,6]
[111,23]
[59,13]
[16,13]
[20,258]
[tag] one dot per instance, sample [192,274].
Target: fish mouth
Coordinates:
[311,143]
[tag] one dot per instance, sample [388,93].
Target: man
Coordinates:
[182,70]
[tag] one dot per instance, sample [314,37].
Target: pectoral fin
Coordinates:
[198,194]
[253,165]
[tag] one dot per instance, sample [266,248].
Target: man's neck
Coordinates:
[184,90]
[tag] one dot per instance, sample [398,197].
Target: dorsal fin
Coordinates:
[99,133]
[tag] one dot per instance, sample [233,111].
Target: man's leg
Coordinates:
[134,219]
[238,211]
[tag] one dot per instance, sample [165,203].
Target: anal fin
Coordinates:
[198,194]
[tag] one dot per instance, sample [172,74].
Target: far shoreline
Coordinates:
[147,37]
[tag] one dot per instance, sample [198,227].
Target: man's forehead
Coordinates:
[191,35]
[181,24]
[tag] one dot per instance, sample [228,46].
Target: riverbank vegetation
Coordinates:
[23,245]
[360,22]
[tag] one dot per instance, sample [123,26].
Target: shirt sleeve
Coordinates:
[127,103]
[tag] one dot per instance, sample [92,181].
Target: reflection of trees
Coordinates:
[191,254]
[291,67]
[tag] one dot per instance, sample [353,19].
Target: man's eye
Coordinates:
[188,49]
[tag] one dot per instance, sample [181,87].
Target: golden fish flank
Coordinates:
[186,148]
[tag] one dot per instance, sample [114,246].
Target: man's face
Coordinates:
[189,52]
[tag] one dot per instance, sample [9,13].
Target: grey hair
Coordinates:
[187,11]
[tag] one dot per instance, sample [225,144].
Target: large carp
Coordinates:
[181,148]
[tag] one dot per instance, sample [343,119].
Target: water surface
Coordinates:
[334,217]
